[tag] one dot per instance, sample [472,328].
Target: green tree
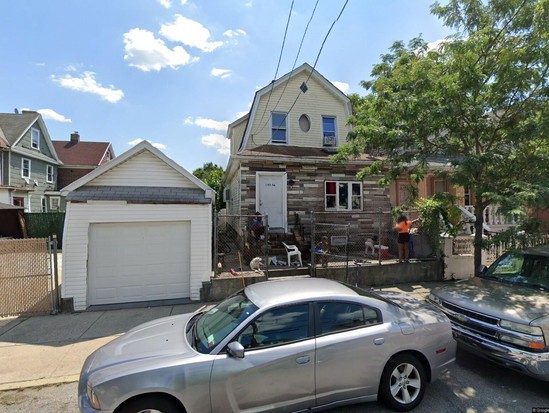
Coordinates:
[213,176]
[480,98]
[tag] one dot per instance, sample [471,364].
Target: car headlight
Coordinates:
[92,397]
[531,336]
[521,328]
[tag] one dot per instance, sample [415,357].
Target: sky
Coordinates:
[177,72]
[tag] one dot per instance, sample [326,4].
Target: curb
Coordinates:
[39,383]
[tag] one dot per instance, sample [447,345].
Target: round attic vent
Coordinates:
[304,123]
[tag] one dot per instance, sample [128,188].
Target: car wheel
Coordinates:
[150,404]
[403,382]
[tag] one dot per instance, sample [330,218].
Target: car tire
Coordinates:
[402,383]
[150,404]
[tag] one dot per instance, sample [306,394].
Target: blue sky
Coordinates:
[176,72]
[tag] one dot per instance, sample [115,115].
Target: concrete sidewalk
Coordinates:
[43,350]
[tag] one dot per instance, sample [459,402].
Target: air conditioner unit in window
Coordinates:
[329,140]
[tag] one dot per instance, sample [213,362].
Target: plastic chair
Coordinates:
[293,251]
[369,247]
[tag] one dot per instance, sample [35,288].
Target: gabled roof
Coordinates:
[82,153]
[136,150]
[13,126]
[305,67]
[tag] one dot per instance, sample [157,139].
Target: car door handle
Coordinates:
[303,359]
[379,341]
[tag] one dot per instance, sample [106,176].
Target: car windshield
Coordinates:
[213,326]
[530,270]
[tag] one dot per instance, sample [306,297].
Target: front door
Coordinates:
[271,197]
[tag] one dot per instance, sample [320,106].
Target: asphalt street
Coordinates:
[472,385]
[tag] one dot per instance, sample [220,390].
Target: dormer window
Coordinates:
[278,127]
[328,131]
[35,138]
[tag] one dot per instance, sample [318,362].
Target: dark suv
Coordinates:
[503,314]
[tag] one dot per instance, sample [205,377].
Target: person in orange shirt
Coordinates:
[403,227]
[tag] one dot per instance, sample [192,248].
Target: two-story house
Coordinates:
[28,161]
[79,158]
[280,156]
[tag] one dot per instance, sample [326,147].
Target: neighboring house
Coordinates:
[79,158]
[280,153]
[138,228]
[28,161]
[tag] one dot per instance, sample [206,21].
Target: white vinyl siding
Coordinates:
[144,169]
[315,103]
[80,216]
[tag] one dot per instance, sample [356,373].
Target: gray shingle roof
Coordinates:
[140,194]
[14,124]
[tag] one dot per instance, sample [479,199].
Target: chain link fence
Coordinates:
[340,240]
[240,244]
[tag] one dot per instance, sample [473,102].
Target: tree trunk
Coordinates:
[479,215]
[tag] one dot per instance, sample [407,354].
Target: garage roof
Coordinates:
[140,194]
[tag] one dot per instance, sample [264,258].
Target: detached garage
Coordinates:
[136,229]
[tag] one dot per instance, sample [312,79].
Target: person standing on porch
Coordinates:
[403,227]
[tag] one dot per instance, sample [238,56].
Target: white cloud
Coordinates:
[222,73]
[70,68]
[240,114]
[190,33]
[165,3]
[344,87]
[218,142]
[147,53]
[160,146]
[40,64]
[207,123]
[234,33]
[248,4]
[86,83]
[53,115]
[183,2]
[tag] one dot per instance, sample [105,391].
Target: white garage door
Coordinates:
[143,261]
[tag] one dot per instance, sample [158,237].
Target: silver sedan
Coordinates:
[281,346]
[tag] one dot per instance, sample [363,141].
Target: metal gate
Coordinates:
[27,284]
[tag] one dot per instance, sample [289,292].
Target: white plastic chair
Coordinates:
[293,251]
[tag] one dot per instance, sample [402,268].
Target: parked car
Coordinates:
[503,314]
[288,345]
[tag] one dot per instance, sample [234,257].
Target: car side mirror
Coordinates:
[236,349]
[482,269]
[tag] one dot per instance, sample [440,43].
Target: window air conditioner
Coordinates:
[329,140]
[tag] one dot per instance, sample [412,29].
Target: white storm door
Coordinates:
[138,261]
[271,197]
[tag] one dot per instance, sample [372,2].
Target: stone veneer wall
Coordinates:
[307,194]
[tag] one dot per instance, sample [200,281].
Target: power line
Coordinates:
[279,59]
[303,89]
[293,67]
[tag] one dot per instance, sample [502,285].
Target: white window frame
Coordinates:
[43,205]
[53,206]
[324,133]
[35,145]
[23,160]
[285,128]
[349,196]
[49,176]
